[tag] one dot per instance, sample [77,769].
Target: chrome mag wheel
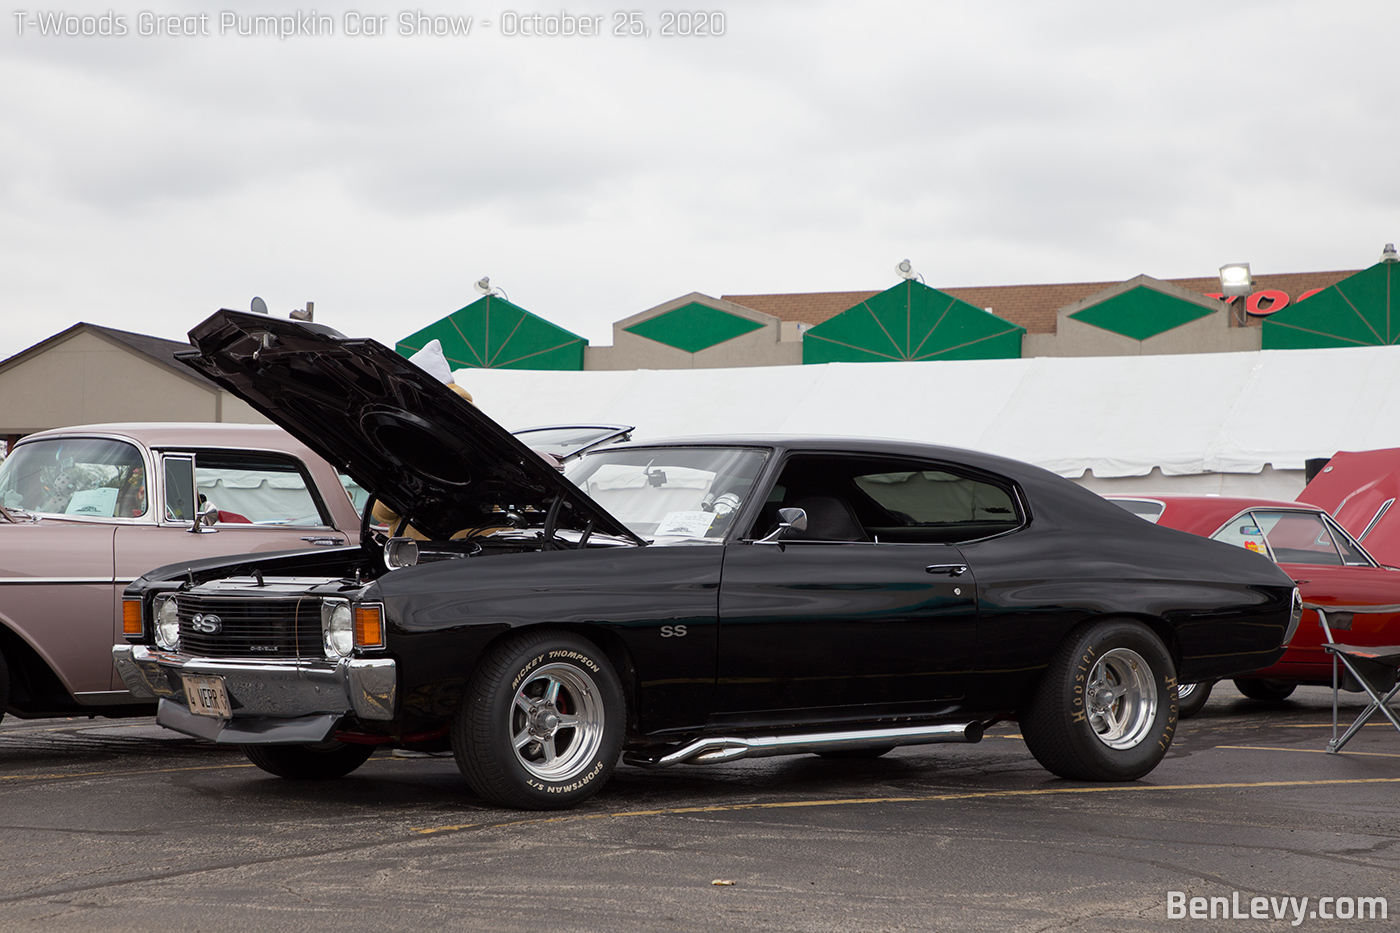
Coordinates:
[1121,697]
[557,722]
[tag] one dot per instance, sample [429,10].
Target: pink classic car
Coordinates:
[86,510]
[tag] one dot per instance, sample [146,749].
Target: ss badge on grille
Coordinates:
[206,624]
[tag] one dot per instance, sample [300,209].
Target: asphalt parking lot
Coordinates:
[119,825]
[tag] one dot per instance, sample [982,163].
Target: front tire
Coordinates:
[541,722]
[320,762]
[1271,691]
[1191,698]
[1105,709]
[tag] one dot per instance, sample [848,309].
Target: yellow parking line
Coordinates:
[1315,751]
[82,774]
[970,795]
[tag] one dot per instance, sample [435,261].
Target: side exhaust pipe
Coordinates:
[712,749]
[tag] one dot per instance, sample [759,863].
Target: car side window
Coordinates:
[931,506]
[890,501]
[256,488]
[1292,537]
[84,477]
[1244,532]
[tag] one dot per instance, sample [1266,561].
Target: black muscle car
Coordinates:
[690,601]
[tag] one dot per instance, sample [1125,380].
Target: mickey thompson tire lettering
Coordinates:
[1106,707]
[541,722]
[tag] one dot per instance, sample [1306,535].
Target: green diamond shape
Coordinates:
[1141,313]
[693,327]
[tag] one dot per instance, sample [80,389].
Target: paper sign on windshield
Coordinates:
[101,501]
[685,524]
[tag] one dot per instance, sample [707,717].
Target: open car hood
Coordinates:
[421,449]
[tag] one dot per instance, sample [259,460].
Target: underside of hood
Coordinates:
[424,451]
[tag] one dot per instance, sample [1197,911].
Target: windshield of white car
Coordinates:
[671,495]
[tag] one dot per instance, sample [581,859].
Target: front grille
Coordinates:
[269,628]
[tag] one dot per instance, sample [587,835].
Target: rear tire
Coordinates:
[541,722]
[1105,709]
[319,762]
[1191,698]
[1268,690]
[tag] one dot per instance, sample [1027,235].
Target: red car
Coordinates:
[1328,565]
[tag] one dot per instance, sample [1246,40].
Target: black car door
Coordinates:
[827,631]
[869,612]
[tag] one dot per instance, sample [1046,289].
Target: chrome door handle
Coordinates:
[324,540]
[952,570]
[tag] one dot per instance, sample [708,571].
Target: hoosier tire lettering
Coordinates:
[1105,709]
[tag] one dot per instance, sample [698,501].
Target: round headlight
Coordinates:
[338,627]
[167,623]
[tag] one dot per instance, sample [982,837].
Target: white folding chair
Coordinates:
[1375,668]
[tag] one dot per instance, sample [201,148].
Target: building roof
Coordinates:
[1031,306]
[156,349]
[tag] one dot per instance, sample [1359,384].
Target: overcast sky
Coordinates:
[146,181]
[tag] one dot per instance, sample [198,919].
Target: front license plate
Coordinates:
[206,695]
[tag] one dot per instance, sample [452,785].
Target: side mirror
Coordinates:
[787,518]
[206,517]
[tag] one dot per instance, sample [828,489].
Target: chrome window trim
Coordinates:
[1385,507]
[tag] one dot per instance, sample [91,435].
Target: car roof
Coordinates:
[1203,515]
[184,434]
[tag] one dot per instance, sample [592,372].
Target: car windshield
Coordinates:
[90,477]
[567,439]
[671,494]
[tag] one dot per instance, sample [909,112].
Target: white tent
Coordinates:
[1236,423]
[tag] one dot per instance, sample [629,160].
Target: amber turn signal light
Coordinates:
[369,627]
[131,617]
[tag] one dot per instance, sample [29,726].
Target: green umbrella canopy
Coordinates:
[912,322]
[1359,311]
[492,333]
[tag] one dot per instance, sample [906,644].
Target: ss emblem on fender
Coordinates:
[673,631]
[207,624]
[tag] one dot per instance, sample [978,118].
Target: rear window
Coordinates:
[1145,509]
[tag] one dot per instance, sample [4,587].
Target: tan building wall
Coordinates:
[1213,333]
[87,379]
[774,343]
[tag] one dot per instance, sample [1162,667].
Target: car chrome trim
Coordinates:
[367,688]
[713,749]
[104,697]
[1380,512]
[48,581]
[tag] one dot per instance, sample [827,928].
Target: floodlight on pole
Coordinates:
[484,287]
[906,270]
[258,306]
[1237,282]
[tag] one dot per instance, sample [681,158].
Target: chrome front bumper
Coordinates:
[273,702]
